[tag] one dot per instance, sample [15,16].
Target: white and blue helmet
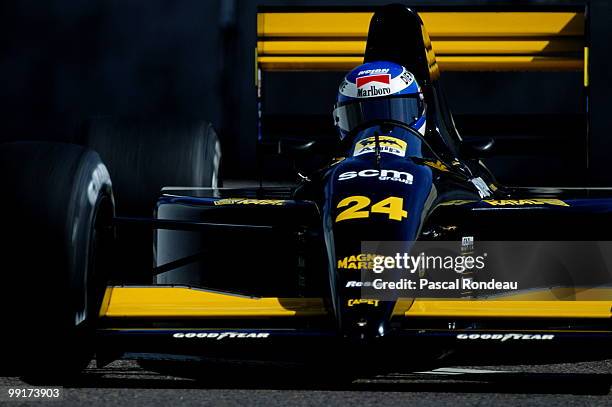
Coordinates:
[379,90]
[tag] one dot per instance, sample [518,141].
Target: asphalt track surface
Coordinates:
[126,383]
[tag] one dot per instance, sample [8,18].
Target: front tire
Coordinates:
[58,208]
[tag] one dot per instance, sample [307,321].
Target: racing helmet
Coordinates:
[380,90]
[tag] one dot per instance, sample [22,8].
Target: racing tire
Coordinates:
[57,210]
[144,157]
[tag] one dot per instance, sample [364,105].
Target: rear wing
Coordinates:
[462,40]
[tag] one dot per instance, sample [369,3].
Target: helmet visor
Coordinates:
[405,109]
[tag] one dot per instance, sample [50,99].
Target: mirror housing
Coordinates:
[477,147]
[296,147]
[287,147]
[291,147]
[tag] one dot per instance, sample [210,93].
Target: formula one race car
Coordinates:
[263,273]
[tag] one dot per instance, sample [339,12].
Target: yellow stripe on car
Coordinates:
[163,302]
[509,309]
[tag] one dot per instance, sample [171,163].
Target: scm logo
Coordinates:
[382,175]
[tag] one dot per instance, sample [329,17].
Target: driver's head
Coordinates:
[379,90]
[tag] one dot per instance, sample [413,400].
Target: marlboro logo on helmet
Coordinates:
[364,80]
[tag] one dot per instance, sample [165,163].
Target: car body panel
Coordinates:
[261,271]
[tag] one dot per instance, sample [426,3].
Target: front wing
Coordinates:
[540,325]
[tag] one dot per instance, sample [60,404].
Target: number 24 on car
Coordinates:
[359,207]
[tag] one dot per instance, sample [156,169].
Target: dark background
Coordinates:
[63,61]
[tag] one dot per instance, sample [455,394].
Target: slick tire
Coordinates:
[57,209]
[142,158]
